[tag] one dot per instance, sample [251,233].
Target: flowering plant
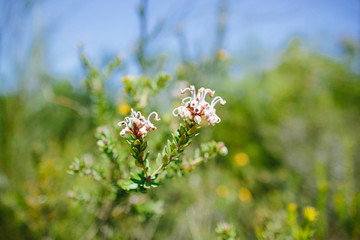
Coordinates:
[137,126]
[120,178]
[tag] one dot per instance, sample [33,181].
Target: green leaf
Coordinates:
[137,142]
[147,185]
[142,175]
[127,184]
[138,163]
[158,159]
[154,184]
[133,176]
[182,130]
[143,146]
[162,79]
[135,149]
[146,155]
[173,146]
[191,130]
[136,156]
[173,153]
[165,159]
[182,139]
[137,181]
[169,145]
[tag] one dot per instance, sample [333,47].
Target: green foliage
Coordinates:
[285,225]
[118,179]
[225,231]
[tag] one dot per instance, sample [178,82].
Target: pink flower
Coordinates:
[196,108]
[137,125]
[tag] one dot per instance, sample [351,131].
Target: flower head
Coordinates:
[310,213]
[196,108]
[137,124]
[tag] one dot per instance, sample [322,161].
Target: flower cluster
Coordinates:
[137,124]
[196,108]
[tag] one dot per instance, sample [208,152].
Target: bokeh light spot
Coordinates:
[222,191]
[124,108]
[244,195]
[241,159]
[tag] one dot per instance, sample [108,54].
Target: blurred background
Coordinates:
[289,70]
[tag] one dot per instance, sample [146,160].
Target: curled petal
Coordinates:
[174,112]
[191,89]
[216,100]
[133,113]
[185,99]
[184,90]
[211,93]
[200,93]
[125,130]
[127,120]
[156,116]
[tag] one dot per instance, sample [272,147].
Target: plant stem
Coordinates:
[142,162]
[197,161]
[158,170]
[188,126]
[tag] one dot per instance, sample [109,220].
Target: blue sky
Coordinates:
[112,26]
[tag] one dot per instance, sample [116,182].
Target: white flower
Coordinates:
[137,124]
[196,108]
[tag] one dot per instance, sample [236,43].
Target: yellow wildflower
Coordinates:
[241,159]
[292,207]
[310,213]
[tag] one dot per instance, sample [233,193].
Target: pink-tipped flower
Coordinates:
[137,124]
[196,108]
